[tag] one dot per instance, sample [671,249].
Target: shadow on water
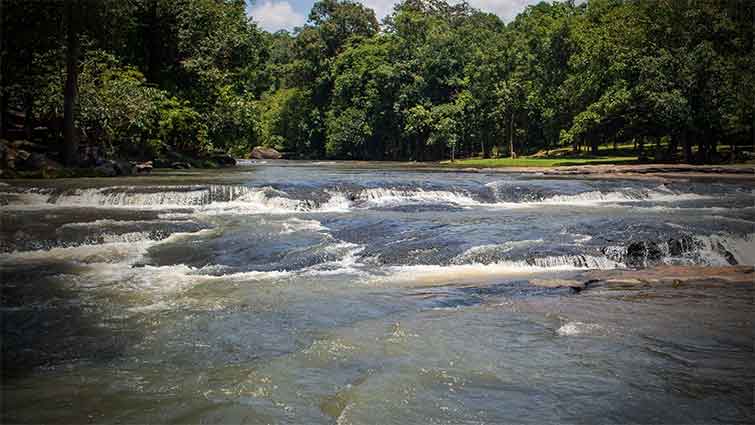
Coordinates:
[46,324]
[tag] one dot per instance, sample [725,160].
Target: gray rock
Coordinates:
[22,155]
[124,168]
[643,253]
[106,170]
[261,152]
[223,160]
[143,167]
[682,245]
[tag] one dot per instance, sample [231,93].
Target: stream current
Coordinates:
[305,293]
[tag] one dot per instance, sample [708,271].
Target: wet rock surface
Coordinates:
[261,152]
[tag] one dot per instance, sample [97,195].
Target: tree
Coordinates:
[70,138]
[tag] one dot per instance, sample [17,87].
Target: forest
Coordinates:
[432,81]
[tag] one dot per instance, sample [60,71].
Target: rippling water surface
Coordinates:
[326,293]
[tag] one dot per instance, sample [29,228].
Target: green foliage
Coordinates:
[437,79]
[284,121]
[347,133]
[182,128]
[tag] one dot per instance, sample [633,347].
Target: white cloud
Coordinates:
[276,15]
[506,9]
[381,7]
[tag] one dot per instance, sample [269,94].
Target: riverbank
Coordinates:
[654,277]
[626,171]
[21,159]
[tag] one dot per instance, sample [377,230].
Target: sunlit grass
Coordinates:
[539,162]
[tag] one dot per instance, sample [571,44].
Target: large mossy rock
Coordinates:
[261,152]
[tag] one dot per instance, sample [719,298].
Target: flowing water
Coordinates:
[314,293]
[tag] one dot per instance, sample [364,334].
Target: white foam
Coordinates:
[385,197]
[209,198]
[115,252]
[214,199]
[338,202]
[24,200]
[294,225]
[578,328]
[742,248]
[711,250]
[625,195]
[432,274]
[481,252]
[348,263]
[124,248]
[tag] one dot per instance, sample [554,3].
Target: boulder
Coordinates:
[111,168]
[22,156]
[143,167]
[261,152]
[7,156]
[124,168]
[91,156]
[223,160]
[35,161]
[107,169]
[29,146]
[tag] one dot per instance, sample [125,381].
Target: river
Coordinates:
[308,293]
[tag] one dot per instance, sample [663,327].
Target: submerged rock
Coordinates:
[680,246]
[261,152]
[575,285]
[643,253]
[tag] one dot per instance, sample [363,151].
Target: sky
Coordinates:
[274,15]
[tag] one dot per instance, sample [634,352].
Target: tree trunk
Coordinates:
[152,43]
[673,145]
[28,127]
[687,146]
[512,154]
[70,138]
[4,101]
[733,152]
[3,114]
[641,149]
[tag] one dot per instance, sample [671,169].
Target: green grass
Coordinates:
[539,162]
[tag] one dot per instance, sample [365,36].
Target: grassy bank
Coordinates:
[539,161]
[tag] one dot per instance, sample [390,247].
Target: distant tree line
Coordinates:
[433,81]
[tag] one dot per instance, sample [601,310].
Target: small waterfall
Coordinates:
[205,197]
[131,196]
[711,250]
[575,261]
[660,194]
[382,197]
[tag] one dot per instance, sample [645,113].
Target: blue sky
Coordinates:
[274,15]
